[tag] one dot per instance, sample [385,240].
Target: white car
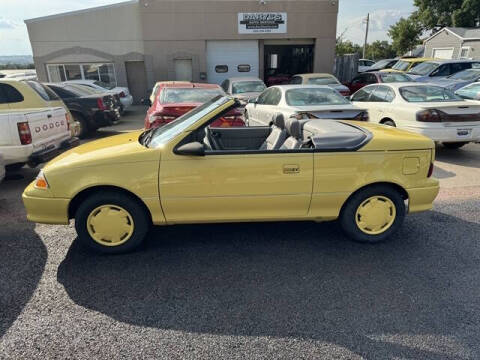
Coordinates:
[321,101]
[364,65]
[243,88]
[2,168]
[426,109]
[123,93]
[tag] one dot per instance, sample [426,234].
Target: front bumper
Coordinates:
[50,152]
[45,210]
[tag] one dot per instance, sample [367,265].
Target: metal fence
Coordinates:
[346,67]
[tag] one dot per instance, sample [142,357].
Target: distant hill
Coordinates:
[16,59]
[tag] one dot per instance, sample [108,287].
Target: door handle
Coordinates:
[291,169]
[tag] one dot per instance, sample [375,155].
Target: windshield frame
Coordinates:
[168,132]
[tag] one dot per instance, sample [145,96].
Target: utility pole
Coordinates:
[366,37]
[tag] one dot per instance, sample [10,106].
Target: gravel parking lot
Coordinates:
[248,291]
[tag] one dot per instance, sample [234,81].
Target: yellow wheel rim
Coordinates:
[110,225]
[376,215]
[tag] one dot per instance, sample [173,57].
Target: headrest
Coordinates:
[278,120]
[293,128]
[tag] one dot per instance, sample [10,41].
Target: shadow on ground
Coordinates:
[23,258]
[301,280]
[462,157]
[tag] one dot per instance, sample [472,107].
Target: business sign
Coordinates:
[254,23]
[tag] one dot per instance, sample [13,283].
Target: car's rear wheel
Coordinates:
[83,125]
[454,145]
[111,222]
[373,214]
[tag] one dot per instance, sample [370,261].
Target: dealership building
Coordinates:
[137,43]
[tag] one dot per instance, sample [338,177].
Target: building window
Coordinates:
[243,68]
[465,52]
[97,72]
[221,69]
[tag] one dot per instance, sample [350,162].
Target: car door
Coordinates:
[270,106]
[259,112]
[379,100]
[228,186]
[362,98]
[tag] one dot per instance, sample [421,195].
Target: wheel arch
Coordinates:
[82,195]
[392,185]
[385,119]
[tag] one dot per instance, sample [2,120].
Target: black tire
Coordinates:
[14,167]
[389,123]
[454,145]
[84,129]
[137,211]
[348,214]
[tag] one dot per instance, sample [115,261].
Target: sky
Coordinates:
[14,36]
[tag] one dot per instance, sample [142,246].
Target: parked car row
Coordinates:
[40,120]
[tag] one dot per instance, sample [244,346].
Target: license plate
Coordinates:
[464,132]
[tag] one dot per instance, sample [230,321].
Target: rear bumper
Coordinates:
[450,133]
[421,199]
[126,101]
[51,152]
[105,118]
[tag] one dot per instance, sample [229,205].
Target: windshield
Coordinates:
[466,75]
[424,68]
[313,97]
[323,81]
[247,86]
[424,94]
[380,64]
[165,133]
[103,85]
[394,77]
[189,95]
[469,92]
[402,65]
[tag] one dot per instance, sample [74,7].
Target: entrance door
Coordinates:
[183,69]
[284,61]
[230,58]
[137,80]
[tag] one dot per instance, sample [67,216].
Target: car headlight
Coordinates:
[41,181]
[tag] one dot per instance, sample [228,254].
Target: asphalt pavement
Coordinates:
[248,291]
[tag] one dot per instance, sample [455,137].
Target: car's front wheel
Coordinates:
[373,214]
[111,222]
[454,145]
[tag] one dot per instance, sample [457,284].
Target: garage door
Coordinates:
[442,53]
[227,59]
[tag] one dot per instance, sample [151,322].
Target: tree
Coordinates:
[347,47]
[380,50]
[405,35]
[468,15]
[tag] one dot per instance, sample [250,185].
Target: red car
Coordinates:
[376,77]
[173,99]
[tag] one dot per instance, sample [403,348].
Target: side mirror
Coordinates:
[191,149]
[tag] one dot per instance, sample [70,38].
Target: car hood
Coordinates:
[387,138]
[122,148]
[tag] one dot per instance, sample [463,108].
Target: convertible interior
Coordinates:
[283,135]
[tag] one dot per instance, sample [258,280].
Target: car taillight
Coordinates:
[159,120]
[430,170]
[232,120]
[100,104]
[431,115]
[24,133]
[122,94]
[363,116]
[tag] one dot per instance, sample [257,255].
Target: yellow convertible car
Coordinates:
[368,176]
